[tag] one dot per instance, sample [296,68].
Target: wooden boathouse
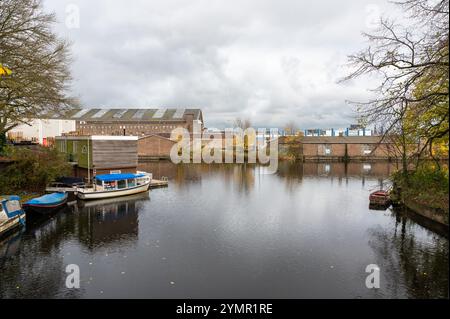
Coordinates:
[95,154]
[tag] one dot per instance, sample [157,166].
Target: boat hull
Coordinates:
[10,224]
[87,195]
[45,209]
[379,198]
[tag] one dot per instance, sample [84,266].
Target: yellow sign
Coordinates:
[4,71]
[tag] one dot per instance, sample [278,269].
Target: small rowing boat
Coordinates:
[11,214]
[46,204]
[115,185]
[380,198]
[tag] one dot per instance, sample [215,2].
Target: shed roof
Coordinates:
[98,137]
[156,136]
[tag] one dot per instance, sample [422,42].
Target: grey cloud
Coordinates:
[271,61]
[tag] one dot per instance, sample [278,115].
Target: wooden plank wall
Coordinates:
[114,154]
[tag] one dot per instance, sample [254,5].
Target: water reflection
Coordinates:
[303,232]
[244,175]
[408,262]
[102,222]
[36,267]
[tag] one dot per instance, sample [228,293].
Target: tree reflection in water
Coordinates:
[34,262]
[407,262]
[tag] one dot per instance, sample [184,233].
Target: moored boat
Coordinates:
[11,214]
[46,204]
[380,198]
[115,185]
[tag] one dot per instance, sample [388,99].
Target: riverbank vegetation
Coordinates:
[426,186]
[411,103]
[31,170]
[36,81]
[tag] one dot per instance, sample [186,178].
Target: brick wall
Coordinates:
[154,146]
[353,150]
[136,129]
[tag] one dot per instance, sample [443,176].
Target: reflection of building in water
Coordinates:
[177,174]
[294,172]
[376,169]
[105,221]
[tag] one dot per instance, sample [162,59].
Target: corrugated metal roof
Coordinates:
[133,115]
[159,113]
[178,113]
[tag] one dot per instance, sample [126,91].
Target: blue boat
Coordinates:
[11,214]
[46,204]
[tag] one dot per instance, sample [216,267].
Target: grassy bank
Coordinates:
[424,189]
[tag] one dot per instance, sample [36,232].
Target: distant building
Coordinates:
[41,131]
[134,122]
[340,147]
[93,154]
[353,130]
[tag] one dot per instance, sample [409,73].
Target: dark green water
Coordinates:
[229,231]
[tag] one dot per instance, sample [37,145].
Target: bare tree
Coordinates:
[242,123]
[413,63]
[290,128]
[39,62]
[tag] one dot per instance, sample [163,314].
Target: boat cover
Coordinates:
[117,177]
[69,180]
[49,199]
[12,206]
[11,197]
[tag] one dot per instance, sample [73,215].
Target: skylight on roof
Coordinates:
[100,113]
[159,113]
[44,112]
[119,114]
[178,114]
[139,114]
[81,113]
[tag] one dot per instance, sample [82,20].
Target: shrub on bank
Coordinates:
[427,185]
[32,170]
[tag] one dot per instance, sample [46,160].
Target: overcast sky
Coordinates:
[269,61]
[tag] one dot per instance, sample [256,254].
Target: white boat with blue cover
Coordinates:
[11,214]
[114,185]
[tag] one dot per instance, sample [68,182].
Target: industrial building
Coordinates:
[338,148]
[137,122]
[87,121]
[42,131]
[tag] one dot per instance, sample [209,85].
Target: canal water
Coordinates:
[231,231]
